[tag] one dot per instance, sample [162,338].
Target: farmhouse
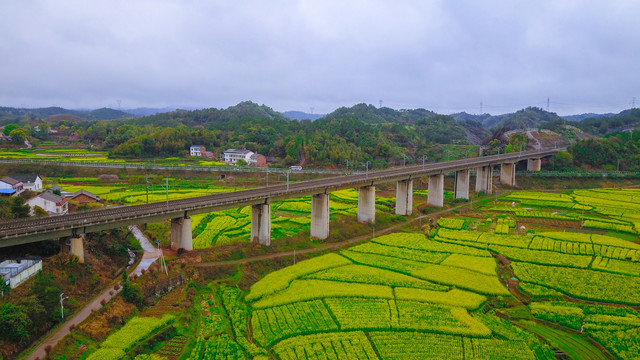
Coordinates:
[50,202]
[29,181]
[258,160]
[197,150]
[83,197]
[231,156]
[11,183]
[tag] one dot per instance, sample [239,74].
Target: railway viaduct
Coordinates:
[73,226]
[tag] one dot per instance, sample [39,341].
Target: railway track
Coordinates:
[25,228]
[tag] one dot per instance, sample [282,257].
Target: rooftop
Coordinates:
[26,178]
[10,180]
[237,151]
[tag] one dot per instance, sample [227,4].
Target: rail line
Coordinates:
[38,228]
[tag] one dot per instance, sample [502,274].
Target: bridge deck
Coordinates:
[32,230]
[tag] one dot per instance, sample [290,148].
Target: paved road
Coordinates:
[149,257]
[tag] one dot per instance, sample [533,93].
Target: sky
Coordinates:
[448,56]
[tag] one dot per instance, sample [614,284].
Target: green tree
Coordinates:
[14,322]
[47,294]
[19,209]
[130,292]
[9,128]
[39,212]
[18,136]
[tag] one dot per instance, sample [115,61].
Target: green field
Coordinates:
[439,294]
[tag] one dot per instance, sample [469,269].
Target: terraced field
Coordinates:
[486,285]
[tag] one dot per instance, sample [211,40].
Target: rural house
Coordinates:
[258,160]
[83,197]
[30,181]
[11,184]
[197,150]
[231,156]
[50,202]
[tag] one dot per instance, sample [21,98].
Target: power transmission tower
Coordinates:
[633,102]
[480,107]
[380,102]
[547,104]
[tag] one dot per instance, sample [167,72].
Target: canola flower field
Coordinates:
[511,283]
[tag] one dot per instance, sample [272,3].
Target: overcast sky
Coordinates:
[447,56]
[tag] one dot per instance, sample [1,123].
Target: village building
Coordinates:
[258,160]
[231,156]
[83,197]
[29,181]
[50,202]
[197,150]
[11,183]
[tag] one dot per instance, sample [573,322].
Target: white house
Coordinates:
[196,150]
[29,182]
[231,156]
[50,202]
[11,183]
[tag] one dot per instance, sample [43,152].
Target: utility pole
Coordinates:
[404,160]
[167,188]
[423,158]
[267,175]
[288,172]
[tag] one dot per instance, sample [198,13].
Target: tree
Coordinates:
[48,294]
[39,212]
[19,209]
[130,292]
[14,322]
[18,136]
[9,128]
[241,162]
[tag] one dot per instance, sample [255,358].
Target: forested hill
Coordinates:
[358,134]
[9,114]
[212,117]
[530,117]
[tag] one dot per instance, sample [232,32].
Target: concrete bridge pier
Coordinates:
[320,216]
[484,179]
[435,196]
[261,224]
[462,184]
[77,247]
[534,164]
[508,174]
[367,204]
[181,235]
[404,197]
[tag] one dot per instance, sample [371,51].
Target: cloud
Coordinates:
[442,55]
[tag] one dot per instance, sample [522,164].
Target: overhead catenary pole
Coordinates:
[147,179]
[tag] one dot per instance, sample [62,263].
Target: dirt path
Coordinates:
[149,257]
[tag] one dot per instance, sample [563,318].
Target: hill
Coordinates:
[580,117]
[624,121]
[9,114]
[299,115]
